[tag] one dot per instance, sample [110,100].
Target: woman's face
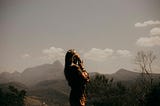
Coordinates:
[76,58]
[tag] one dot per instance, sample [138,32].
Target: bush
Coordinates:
[13,97]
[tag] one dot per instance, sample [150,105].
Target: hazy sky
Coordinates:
[107,33]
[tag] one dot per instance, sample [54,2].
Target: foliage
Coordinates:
[13,97]
[105,92]
[144,61]
[153,97]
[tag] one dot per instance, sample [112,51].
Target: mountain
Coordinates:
[46,83]
[124,75]
[33,75]
[56,84]
[18,85]
[93,74]
[9,77]
[52,92]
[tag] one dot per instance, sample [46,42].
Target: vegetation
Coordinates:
[105,92]
[144,61]
[101,91]
[143,92]
[13,97]
[138,89]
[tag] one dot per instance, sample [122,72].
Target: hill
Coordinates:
[33,75]
[52,92]
[18,85]
[125,75]
[10,77]
[46,82]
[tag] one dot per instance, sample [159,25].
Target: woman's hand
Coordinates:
[85,75]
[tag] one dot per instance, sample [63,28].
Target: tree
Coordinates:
[144,61]
[153,97]
[102,91]
[13,97]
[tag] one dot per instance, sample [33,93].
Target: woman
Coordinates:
[77,78]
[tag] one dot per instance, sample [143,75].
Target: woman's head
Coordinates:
[71,57]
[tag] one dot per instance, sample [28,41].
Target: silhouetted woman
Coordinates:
[77,78]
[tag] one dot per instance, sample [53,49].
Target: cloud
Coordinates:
[124,53]
[140,25]
[54,53]
[147,23]
[94,54]
[98,54]
[148,41]
[155,31]
[26,55]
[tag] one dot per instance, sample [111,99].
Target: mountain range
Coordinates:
[33,75]
[47,83]
[46,72]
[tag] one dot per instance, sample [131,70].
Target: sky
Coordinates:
[106,33]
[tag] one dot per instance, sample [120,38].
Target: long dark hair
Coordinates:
[68,61]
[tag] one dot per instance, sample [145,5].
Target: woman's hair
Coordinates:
[68,61]
[69,57]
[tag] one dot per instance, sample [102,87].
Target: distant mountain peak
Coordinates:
[124,74]
[122,70]
[16,72]
[5,73]
[43,72]
[57,63]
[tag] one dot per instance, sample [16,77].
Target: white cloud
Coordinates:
[54,53]
[147,23]
[150,22]
[98,54]
[26,55]
[124,53]
[148,41]
[155,31]
[140,25]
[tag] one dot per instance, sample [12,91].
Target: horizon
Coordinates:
[107,34]
[121,69]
